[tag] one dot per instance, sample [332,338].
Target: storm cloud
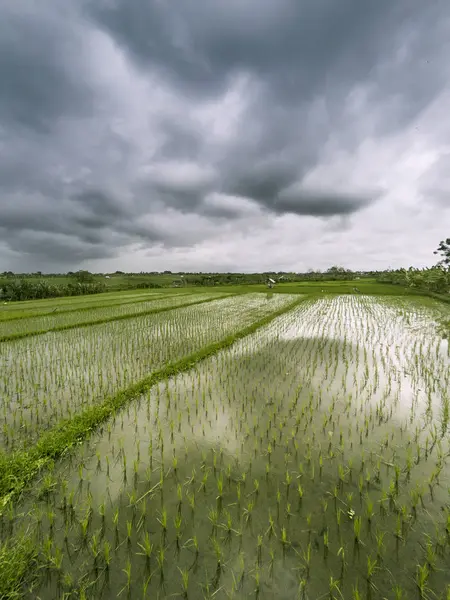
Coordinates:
[250,134]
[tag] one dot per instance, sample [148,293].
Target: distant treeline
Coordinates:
[208,279]
[436,279]
[37,285]
[31,286]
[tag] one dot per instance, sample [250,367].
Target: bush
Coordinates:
[148,284]
[22,289]
[436,279]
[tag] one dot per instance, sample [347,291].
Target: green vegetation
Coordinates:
[27,289]
[37,285]
[17,469]
[94,316]
[47,378]
[443,251]
[319,288]
[435,280]
[31,287]
[226,443]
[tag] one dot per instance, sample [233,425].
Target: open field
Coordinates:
[319,288]
[118,284]
[249,446]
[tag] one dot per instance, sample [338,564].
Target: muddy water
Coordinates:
[307,461]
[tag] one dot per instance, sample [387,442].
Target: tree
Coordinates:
[338,272]
[336,269]
[84,277]
[444,251]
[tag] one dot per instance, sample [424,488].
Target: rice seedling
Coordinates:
[184,582]
[244,475]
[422,575]
[67,357]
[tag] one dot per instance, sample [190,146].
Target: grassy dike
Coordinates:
[18,558]
[152,311]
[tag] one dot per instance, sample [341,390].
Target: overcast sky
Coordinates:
[223,134]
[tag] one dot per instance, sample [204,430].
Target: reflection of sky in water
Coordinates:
[68,370]
[362,323]
[393,332]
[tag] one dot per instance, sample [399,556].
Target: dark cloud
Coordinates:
[100,205]
[263,183]
[321,203]
[164,124]
[297,46]
[39,67]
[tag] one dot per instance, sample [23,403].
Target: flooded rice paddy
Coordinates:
[308,460]
[50,377]
[60,317]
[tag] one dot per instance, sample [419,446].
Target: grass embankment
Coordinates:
[152,311]
[17,470]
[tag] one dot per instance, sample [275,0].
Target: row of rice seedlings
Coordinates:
[46,379]
[66,319]
[89,300]
[34,308]
[49,378]
[253,475]
[82,321]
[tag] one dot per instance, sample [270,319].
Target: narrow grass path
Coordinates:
[152,311]
[18,469]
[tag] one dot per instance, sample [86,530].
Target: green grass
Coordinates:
[366,286]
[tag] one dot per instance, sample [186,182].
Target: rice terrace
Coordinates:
[227,442]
